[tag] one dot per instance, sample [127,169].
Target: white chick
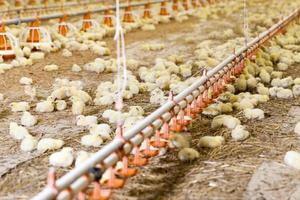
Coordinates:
[112,115]
[45,106]
[50,68]
[297,129]
[82,156]
[28,120]
[91,141]
[273,91]
[1,97]
[18,132]
[77,106]
[66,53]
[49,144]
[76,68]
[239,133]
[86,120]
[292,159]
[136,111]
[297,81]
[284,93]
[37,56]
[255,113]
[225,120]
[188,154]
[63,158]
[60,105]
[296,90]
[19,106]
[25,81]
[261,89]
[102,130]
[30,91]
[211,141]
[29,144]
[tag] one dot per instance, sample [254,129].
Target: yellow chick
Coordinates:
[211,141]
[264,76]
[180,140]
[188,154]
[241,84]
[225,107]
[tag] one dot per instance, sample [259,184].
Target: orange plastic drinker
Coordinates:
[157,142]
[99,193]
[147,151]
[125,171]
[137,159]
[113,182]
[175,126]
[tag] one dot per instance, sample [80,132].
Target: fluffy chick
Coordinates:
[180,140]
[188,154]
[63,158]
[211,141]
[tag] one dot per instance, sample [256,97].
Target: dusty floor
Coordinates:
[222,173]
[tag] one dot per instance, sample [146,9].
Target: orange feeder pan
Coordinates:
[107,20]
[137,159]
[86,23]
[128,17]
[163,9]
[5,44]
[34,34]
[63,28]
[147,12]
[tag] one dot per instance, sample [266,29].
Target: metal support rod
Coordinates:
[74,180]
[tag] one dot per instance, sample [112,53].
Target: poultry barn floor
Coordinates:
[221,173]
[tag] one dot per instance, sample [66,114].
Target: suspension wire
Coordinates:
[121,60]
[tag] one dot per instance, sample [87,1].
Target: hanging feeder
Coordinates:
[87,22]
[63,28]
[8,44]
[163,9]
[35,35]
[147,11]
[108,18]
[185,5]
[175,5]
[128,16]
